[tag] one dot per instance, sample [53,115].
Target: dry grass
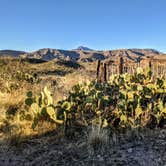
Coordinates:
[98,138]
[102,147]
[15,98]
[58,77]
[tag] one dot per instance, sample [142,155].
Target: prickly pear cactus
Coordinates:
[42,107]
[124,101]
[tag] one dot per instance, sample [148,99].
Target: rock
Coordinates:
[130,150]
[100,157]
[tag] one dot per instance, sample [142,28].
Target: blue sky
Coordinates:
[100,24]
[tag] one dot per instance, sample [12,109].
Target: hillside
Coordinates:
[91,55]
[85,54]
[47,144]
[13,53]
[84,142]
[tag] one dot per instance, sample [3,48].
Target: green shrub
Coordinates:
[22,76]
[125,101]
[42,107]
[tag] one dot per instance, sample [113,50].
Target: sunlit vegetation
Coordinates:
[17,78]
[126,101]
[68,102]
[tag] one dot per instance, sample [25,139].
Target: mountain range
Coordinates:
[85,54]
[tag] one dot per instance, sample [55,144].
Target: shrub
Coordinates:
[42,107]
[125,101]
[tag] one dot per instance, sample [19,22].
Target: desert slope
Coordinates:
[85,54]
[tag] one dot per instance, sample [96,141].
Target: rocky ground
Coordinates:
[147,148]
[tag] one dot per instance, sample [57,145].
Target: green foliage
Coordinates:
[125,101]
[22,76]
[42,107]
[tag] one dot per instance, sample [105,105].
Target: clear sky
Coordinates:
[99,24]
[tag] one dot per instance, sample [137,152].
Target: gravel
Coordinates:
[144,148]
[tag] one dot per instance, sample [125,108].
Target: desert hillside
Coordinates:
[85,54]
[55,112]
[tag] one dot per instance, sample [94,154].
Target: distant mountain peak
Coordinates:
[84,54]
[83,48]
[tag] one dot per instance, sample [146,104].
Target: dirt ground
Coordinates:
[147,148]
